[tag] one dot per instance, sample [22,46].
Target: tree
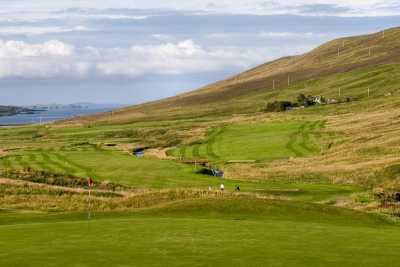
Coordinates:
[278,106]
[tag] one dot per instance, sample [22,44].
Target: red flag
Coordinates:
[90,182]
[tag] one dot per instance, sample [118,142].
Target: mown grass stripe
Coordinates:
[210,148]
[73,166]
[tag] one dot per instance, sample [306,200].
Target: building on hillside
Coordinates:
[332,101]
[319,100]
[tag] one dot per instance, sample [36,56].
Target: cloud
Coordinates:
[15,16]
[55,58]
[264,7]
[161,36]
[39,30]
[269,35]
[174,58]
[323,9]
[48,59]
[19,49]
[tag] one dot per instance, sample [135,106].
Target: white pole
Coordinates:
[338,51]
[368,92]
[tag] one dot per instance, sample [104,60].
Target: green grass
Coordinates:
[257,141]
[150,173]
[231,232]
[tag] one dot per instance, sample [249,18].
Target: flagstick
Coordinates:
[89,215]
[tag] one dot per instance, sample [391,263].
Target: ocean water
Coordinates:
[50,115]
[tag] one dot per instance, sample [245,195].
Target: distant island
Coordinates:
[12,110]
[45,107]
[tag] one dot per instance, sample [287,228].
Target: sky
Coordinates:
[128,52]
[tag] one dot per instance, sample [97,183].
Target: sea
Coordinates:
[51,115]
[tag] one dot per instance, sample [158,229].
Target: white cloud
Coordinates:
[52,58]
[270,35]
[171,58]
[19,49]
[12,16]
[55,58]
[29,30]
[318,7]
[160,36]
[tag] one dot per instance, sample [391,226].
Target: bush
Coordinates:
[278,106]
[205,171]
[305,100]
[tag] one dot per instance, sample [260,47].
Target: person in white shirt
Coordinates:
[222,187]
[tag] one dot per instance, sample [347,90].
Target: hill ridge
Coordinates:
[334,57]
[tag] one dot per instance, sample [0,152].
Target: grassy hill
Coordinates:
[352,64]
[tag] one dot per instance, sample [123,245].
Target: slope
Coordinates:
[242,93]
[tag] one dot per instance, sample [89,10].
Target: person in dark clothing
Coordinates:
[237,188]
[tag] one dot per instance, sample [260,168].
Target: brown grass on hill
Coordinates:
[3,152]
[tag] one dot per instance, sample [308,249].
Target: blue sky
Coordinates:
[134,51]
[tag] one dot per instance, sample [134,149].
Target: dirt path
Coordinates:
[159,153]
[2,153]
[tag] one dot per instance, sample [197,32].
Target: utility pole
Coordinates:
[273,84]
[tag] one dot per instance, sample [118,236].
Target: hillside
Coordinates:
[352,64]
